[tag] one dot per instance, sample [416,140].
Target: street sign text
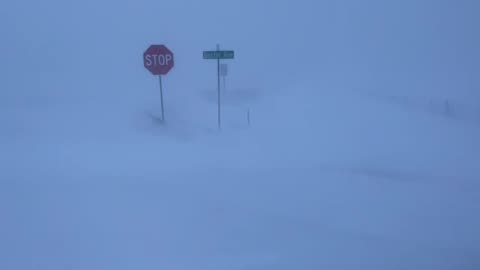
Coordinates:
[218,54]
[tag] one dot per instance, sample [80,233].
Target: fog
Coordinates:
[349,140]
[427,47]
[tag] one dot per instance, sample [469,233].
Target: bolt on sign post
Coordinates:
[158,59]
[218,54]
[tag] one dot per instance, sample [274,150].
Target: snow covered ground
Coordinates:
[377,187]
[350,162]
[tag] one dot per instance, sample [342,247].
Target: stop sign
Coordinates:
[158,59]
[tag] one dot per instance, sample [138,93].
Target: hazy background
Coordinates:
[363,150]
[420,47]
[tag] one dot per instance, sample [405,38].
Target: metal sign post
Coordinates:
[161,97]
[218,88]
[218,54]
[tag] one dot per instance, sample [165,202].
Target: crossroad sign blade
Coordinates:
[218,54]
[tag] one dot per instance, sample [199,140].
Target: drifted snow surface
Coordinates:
[309,185]
[363,150]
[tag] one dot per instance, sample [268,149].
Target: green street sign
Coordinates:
[218,54]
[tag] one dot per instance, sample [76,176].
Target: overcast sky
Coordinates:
[408,46]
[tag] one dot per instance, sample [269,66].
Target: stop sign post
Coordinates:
[158,59]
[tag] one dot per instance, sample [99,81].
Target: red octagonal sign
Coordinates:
[158,59]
